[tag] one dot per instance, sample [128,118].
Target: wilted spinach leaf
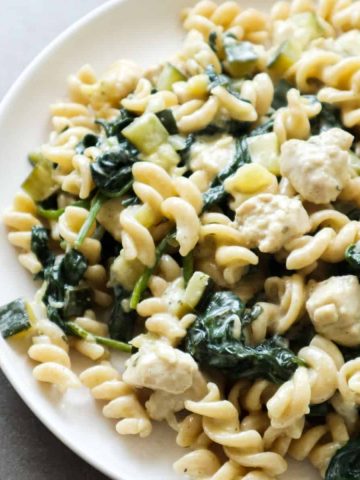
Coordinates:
[113,127]
[63,295]
[329,117]
[89,140]
[215,341]
[280,94]
[40,245]
[345,464]
[112,170]
[122,322]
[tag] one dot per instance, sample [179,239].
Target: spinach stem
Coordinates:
[54,214]
[80,332]
[143,281]
[188,266]
[97,203]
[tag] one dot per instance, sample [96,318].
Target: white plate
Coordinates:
[147,31]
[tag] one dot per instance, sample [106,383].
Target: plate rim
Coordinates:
[5,103]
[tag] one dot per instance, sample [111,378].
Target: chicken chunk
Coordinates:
[319,168]
[163,405]
[159,366]
[269,221]
[211,155]
[334,308]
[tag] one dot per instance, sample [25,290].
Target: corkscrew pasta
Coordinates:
[202,217]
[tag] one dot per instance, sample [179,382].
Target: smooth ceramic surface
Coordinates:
[147,31]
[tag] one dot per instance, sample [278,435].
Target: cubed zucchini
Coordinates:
[15,317]
[264,149]
[147,133]
[168,77]
[284,57]
[240,57]
[40,183]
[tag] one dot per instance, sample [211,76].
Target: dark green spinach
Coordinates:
[329,117]
[40,245]
[122,323]
[63,295]
[345,464]
[215,341]
[113,127]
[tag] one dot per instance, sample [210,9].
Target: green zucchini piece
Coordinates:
[167,118]
[265,150]
[40,184]
[284,57]
[14,318]
[168,77]
[308,23]
[147,133]
[240,57]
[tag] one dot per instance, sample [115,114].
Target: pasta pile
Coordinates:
[211,205]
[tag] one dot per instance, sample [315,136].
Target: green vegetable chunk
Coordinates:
[40,245]
[40,184]
[74,329]
[352,255]
[240,57]
[345,464]
[14,318]
[168,77]
[284,57]
[167,118]
[142,283]
[122,321]
[216,340]
[147,133]
[112,170]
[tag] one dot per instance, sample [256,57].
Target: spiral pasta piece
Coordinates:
[314,384]
[21,218]
[105,383]
[206,17]
[328,244]
[321,442]
[51,351]
[230,256]
[221,425]
[293,121]
[70,223]
[142,100]
[287,295]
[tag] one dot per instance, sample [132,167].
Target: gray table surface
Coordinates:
[28,451]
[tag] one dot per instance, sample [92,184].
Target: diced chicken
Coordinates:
[334,308]
[212,155]
[319,168]
[162,405]
[269,221]
[159,366]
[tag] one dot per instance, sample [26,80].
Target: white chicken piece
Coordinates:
[319,168]
[212,155]
[268,221]
[159,366]
[334,308]
[163,405]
